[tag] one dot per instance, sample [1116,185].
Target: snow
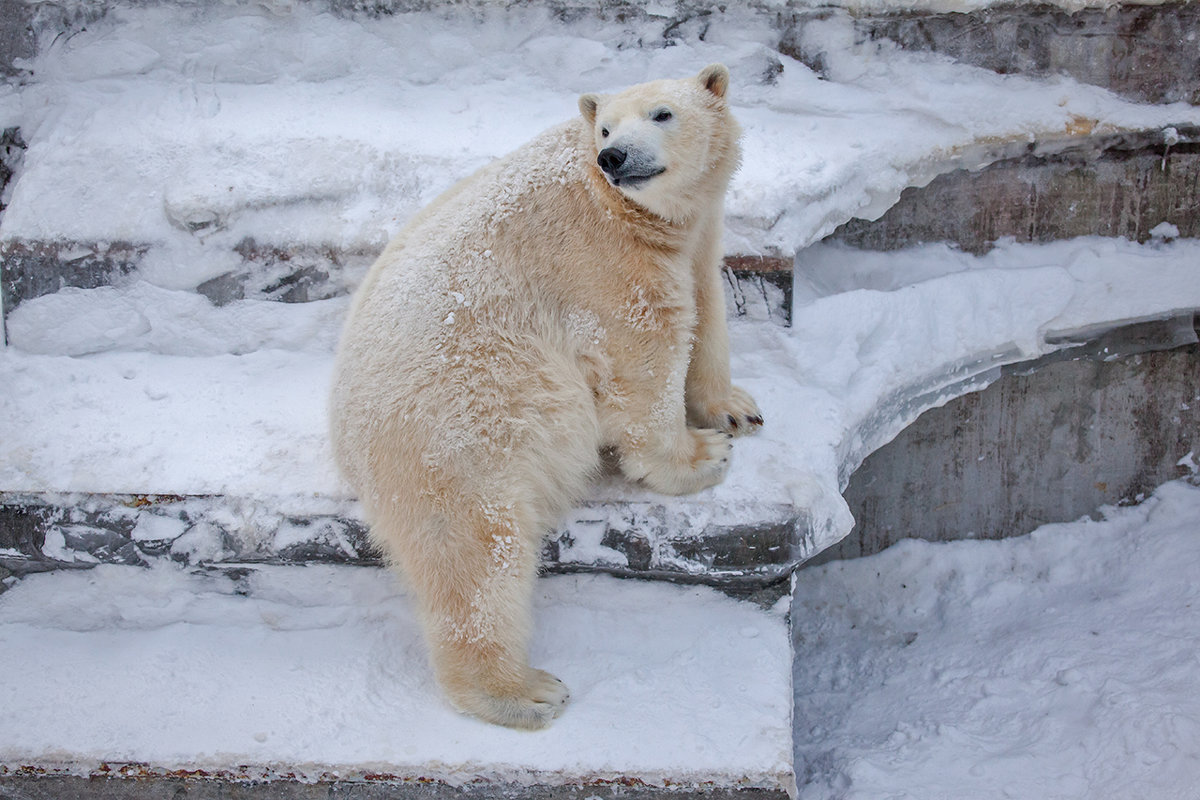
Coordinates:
[1060,664]
[960,6]
[321,671]
[294,126]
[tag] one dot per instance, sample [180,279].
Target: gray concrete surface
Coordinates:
[1147,53]
[1051,441]
[200,787]
[759,550]
[1105,185]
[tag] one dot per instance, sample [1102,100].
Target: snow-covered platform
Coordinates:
[1058,664]
[122,456]
[318,674]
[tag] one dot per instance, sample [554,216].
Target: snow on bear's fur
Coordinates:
[564,299]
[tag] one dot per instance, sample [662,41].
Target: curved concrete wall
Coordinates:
[1051,441]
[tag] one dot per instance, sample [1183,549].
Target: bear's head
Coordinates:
[670,145]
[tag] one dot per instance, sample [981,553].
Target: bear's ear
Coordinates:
[715,78]
[587,107]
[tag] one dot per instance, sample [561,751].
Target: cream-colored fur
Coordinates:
[532,315]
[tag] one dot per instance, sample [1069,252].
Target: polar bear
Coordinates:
[563,300]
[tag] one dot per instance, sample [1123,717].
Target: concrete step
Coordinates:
[301,682]
[1142,50]
[218,458]
[696,542]
[759,287]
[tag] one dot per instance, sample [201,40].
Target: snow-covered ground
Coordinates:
[287,125]
[1061,664]
[321,670]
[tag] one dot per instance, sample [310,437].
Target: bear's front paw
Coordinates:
[736,414]
[705,463]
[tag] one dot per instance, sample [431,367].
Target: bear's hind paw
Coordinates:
[544,699]
[705,467]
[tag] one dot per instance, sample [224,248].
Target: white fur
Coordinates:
[531,315]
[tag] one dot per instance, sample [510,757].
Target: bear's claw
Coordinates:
[736,415]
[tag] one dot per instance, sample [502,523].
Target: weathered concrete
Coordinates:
[1145,52]
[27,26]
[17,36]
[12,149]
[1124,186]
[42,532]
[760,288]
[33,269]
[1051,441]
[215,787]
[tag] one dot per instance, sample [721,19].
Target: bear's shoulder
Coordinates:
[474,208]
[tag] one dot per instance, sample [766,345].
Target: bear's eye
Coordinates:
[662,115]
[604,132]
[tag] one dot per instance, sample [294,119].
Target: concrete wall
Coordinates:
[1124,186]
[1147,53]
[1051,441]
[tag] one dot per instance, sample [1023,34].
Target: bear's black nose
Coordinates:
[611,159]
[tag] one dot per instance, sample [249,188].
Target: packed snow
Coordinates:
[320,671]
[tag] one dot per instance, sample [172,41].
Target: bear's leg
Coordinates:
[657,448]
[712,401]
[644,416]
[473,574]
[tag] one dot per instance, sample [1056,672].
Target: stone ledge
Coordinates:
[1144,52]
[1052,440]
[760,286]
[43,532]
[1110,185]
[141,782]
